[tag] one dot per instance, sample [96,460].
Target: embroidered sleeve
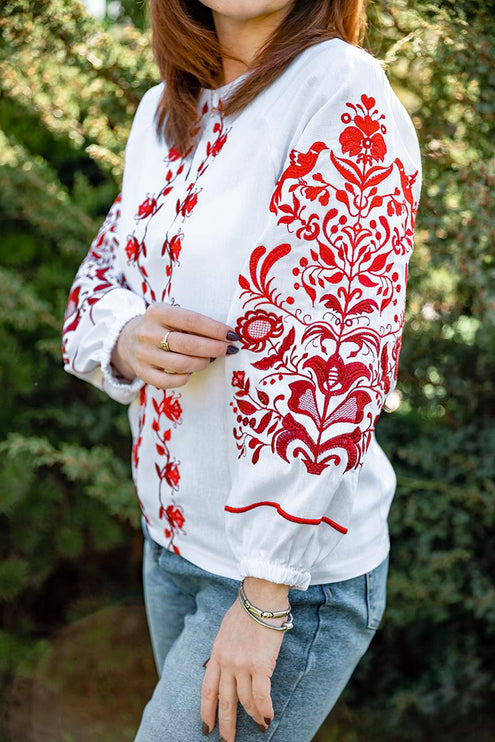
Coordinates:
[98,307]
[320,312]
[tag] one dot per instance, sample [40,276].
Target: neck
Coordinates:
[243,39]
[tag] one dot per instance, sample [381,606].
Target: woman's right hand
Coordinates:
[194,340]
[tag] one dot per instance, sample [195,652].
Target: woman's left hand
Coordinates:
[242,661]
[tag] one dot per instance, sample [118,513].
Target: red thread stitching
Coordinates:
[288,516]
[352,236]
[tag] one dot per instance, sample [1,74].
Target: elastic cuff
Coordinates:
[116,387]
[282,574]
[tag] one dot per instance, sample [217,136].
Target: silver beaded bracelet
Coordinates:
[257,614]
[257,611]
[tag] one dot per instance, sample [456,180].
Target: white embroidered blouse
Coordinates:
[292,222]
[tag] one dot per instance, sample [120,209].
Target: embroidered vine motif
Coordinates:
[167,406]
[166,411]
[175,162]
[95,277]
[355,233]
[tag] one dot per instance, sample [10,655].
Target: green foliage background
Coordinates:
[68,88]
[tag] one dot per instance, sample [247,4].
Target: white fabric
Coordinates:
[292,222]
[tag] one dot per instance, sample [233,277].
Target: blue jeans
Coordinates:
[333,627]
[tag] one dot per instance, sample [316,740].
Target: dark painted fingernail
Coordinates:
[267,721]
[206,662]
[206,729]
[212,359]
[231,335]
[232,349]
[261,728]
[222,739]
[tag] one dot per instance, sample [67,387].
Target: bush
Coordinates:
[69,87]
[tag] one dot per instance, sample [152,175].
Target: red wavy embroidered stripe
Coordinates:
[288,516]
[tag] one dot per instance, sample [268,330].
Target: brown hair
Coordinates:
[189,56]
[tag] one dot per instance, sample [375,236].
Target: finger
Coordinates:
[227,706]
[151,335]
[209,695]
[159,378]
[261,690]
[244,687]
[196,345]
[176,362]
[189,321]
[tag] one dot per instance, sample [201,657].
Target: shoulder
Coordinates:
[339,90]
[336,54]
[148,104]
[322,80]
[335,70]
[325,68]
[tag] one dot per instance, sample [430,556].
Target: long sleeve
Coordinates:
[320,311]
[99,306]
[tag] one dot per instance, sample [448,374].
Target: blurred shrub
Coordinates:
[68,89]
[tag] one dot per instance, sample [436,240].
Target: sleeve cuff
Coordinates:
[282,574]
[115,386]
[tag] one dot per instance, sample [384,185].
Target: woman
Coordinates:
[245,297]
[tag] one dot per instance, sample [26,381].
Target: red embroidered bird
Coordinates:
[407,181]
[301,163]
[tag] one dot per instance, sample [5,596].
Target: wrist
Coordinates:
[268,595]
[119,359]
[264,606]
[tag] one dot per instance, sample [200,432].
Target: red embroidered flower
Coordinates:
[334,375]
[171,407]
[132,248]
[147,208]
[255,328]
[175,517]
[172,475]
[218,144]
[174,154]
[364,140]
[175,246]
[188,204]
[238,379]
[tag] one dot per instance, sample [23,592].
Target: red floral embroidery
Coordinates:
[167,468]
[95,277]
[256,328]
[169,408]
[172,476]
[351,264]
[364,140]
[238,378]
[188,204]
[147,208]
[175,163]
[133,248]
[175,517]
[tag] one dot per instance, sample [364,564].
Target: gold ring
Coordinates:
[164,345]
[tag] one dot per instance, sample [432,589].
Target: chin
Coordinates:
[244,10]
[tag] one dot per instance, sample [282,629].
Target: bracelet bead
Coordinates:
[258,615]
